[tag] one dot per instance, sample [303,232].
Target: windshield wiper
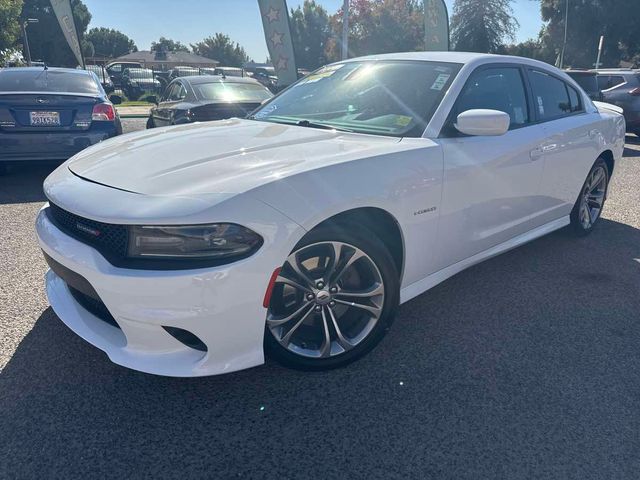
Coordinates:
[323,126]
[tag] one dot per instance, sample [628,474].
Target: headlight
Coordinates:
[206,242]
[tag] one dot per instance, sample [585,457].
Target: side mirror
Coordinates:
[152,99]
[483,122]
[115,99]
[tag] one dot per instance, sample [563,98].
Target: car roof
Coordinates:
[197,79]
[35,70]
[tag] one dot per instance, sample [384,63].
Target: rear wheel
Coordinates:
[588,208]
[333,301]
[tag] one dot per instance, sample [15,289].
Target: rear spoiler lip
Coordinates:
[608,106]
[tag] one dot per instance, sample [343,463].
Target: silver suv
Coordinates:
[622,88]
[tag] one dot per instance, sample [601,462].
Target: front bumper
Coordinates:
[222,306]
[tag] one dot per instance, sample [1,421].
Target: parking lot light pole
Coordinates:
[566,25]
[24,25]
[345,29]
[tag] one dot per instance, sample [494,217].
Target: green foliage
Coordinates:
[379,26]
[482,25]
[9,25]
[617,20]
[168,45]
[46,40]
[310,32]
[111,43]
[221,48]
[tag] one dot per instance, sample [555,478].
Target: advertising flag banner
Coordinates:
[62,9]
[275,20]
[436,26]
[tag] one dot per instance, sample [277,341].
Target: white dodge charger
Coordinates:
[192,250]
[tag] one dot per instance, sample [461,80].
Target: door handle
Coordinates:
[536,153]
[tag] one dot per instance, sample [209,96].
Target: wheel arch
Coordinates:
[609,159]
[380,222]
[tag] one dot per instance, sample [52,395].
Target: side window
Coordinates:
[574,99]
[174,93]
[615,80]
[603,82]
[499,88]
[550,94]
[182,93]
[117,68]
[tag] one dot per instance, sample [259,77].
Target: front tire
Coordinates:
[333,301]
[150,123]
[588,207]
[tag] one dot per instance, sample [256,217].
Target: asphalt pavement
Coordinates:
[525,366]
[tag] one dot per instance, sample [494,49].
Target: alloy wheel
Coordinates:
[593,196]
[327,298]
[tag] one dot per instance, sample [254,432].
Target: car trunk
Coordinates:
[220,111]
[50,112]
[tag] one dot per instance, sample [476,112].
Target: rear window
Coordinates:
[231,92]
[139,73]
[588,83]
[47,81]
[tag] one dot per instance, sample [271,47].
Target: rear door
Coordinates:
[571,144]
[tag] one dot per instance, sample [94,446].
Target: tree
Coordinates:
[111,43]
[310,32]
[221,48]
[168,45]
[9,26]
[482,25]
[617,20]
[46,40]
[379,26]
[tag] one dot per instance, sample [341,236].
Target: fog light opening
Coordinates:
[187,338]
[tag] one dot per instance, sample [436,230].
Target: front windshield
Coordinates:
[231,92]
[394,98]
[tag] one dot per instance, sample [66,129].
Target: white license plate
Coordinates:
[45,119]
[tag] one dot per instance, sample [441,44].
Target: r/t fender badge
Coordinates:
[426,210]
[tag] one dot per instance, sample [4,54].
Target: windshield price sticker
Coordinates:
[441,81]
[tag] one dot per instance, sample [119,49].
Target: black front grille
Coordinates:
[111,240]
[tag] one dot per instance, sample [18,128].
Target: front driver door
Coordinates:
[491,183]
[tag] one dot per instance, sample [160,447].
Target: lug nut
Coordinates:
[332,303]
[318,308]
[320,284]
[334,290]
[310,296]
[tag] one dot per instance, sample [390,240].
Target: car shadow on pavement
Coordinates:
[525,366]
[23,183]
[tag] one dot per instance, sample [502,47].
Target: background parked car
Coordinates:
[136,81]
[588,80]
[206,97]
[103,76]
[52,113]
[116,69]
[178,72]
[622,88]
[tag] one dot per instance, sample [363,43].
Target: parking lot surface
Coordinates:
[525,366]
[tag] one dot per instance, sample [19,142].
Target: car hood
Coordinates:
[229,156]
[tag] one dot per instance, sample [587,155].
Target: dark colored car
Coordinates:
[103,76]
[116,69]
[207,97]
[622,88]
[52,113]
[137,81]
[588,81]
